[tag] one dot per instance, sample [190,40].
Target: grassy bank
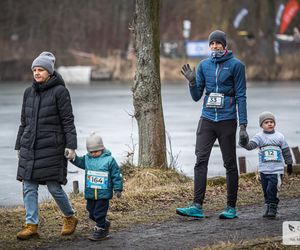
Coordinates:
[150,195]
[255,244]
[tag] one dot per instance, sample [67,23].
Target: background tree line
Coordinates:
[102,27]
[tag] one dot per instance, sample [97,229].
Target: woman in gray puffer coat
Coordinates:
[47,129]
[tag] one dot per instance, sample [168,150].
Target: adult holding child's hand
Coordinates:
[46,130]
[70,154]
[243,136]
[220,81]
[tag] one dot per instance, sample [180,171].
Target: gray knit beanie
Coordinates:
[266,115]
[94,142]
[218,36]
[45,60]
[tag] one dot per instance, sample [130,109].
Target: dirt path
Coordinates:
[186,233]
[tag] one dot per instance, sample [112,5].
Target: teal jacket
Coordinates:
[102,175]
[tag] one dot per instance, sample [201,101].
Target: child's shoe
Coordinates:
[195,210]
[266,210]
[228,213]
[29,231]
[99,234]
[272,210]
[107,225]
[69,226]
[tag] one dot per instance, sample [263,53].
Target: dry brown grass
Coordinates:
[150,195]
[272,243]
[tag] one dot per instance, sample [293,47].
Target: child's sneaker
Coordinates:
[266,210]
[107,225]
[228,213]
[195,210]
[272,210]
[99,234]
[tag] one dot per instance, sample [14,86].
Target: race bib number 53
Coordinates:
[97,179]
[215,100]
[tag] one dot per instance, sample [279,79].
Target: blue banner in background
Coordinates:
[199,48]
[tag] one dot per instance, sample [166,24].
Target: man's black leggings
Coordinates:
[207,133]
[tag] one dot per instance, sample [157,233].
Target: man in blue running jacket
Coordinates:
[221,80]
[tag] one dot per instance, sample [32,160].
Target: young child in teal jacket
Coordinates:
[102,177]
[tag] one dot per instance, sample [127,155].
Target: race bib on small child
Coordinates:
[270,154]
[97,179]
[215,100]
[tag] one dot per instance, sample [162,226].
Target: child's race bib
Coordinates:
[215,100]
[97,179]
[271,154]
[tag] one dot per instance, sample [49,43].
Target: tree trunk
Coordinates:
[147,87]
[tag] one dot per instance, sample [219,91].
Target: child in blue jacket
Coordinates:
[102,177]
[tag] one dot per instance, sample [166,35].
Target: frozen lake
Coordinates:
[106,107]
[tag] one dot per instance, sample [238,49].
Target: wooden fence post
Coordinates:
[242,165]
[296,154]
[75,187]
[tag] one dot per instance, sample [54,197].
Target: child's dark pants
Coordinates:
[98,211]
[269,185]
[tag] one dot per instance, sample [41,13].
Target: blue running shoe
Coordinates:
[195,210]
[228,213]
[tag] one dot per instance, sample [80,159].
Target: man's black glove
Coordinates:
[189,74]
[289,169]
[243,136]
